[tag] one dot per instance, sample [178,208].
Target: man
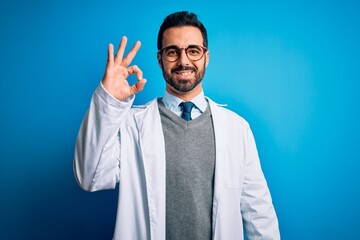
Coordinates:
[186,167]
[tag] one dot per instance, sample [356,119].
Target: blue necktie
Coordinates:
[186,114]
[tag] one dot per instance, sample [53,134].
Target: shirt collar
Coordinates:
[172,102]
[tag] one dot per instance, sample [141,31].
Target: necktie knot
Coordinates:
[186,110]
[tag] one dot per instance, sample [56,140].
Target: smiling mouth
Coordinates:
[184,73]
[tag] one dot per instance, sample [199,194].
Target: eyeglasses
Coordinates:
[172,53]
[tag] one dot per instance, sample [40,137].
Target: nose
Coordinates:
[183,58]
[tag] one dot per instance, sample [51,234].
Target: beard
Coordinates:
[184,85]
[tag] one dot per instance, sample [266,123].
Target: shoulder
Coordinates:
[153,104]
[140,115]
[224,114]
[144,112]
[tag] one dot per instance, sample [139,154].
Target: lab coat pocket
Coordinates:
[233,168]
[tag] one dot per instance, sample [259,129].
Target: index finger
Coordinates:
[130,56]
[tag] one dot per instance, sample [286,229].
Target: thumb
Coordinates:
[139,86]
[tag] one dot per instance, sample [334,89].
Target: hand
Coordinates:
[118,70]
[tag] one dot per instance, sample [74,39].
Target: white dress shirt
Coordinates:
[172,103]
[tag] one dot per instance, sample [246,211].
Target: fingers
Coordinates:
[117,67]
[135,70]
[119,60]
[110,60]
[130,56]
[139,86]
[121,50]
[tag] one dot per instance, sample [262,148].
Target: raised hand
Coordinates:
[118,70]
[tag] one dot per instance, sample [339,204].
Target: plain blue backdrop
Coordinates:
[290,69]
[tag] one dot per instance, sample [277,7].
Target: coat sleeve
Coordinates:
[260,221]
[96,159]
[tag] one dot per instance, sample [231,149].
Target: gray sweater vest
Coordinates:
[190,164]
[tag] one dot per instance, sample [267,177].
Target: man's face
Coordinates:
[183,75]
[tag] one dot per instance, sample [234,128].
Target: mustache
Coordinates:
[180,68]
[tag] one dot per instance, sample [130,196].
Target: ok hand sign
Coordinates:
[118,70]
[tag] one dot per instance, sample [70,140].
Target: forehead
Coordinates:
[182,36]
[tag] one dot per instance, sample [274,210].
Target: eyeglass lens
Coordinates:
[173,53]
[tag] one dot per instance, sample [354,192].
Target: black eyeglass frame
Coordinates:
[180,50]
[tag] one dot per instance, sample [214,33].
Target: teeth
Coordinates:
[184,73]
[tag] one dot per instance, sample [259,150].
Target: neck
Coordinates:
[186,96]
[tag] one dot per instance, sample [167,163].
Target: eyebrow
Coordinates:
[189,46]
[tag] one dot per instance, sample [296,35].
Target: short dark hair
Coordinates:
[179,19]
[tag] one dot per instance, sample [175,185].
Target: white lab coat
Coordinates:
[124,145]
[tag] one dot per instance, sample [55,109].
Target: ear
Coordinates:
[207,58]
[159,59]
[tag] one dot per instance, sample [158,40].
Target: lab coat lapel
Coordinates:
[152,149]
[220,146]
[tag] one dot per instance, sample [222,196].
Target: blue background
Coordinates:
[290,69]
